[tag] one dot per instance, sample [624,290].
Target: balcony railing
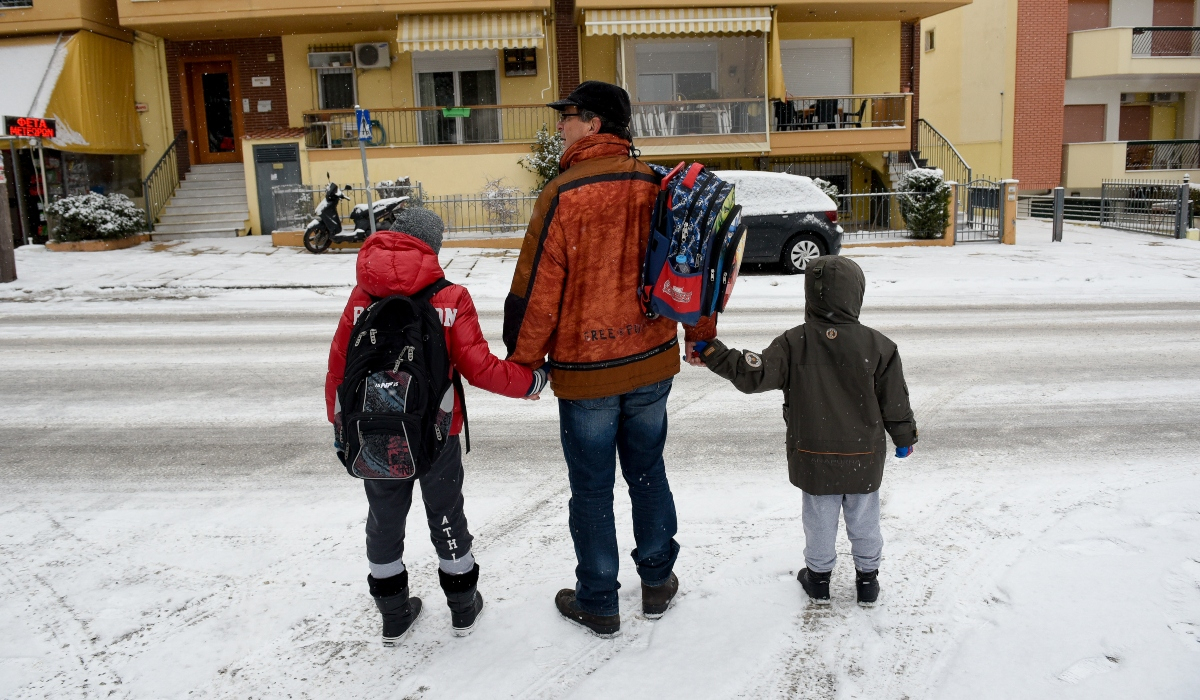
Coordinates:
[430,126]
[1166,41]
[839,112]
[1162,155]
[699,118]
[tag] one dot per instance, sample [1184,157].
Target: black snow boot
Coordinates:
[462,595]
[867,583]
[398,610]
[606,626]
[656,599]
[816,585]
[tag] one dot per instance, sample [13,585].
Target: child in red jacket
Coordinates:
[404,261]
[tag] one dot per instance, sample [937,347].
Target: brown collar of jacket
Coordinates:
[574,292]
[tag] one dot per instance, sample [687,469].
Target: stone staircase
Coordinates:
[210,203]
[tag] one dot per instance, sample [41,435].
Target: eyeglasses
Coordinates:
[563,116]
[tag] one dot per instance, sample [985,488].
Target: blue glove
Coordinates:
[699,345]
[903,452]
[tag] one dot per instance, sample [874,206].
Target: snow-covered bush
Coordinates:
[402,187]
[545,152]
[827,187]
[96,217]
[924,202]
[501,201]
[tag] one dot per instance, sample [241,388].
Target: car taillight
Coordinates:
[832,216]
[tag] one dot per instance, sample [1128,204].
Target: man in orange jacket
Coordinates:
[574,300]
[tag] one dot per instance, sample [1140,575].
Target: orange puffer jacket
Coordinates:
[574,293]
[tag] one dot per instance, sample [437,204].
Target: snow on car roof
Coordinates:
[762,193]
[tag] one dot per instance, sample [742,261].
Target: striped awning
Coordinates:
[496,30]
[685,20]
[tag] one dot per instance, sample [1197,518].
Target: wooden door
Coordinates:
[216,113]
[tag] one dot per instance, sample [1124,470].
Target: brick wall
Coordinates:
[566,35]
[1041,70]
[251,60]
[910,70]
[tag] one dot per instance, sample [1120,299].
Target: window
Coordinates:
[1087,14]
[15,4]
[1083,123]
[812,68]
[929,37]
[458,79]
[336,88]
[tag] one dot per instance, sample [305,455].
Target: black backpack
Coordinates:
[397,397]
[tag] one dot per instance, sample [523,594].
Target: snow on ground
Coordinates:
[174,524]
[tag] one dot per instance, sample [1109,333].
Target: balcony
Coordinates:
[696,127]
[51,16]
[1134,52]
[842,124]
[456,127]
[1085,165]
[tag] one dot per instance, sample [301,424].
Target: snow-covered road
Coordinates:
[174,525]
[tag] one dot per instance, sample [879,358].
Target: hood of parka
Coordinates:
[396,263]
[833,290]
[594,146]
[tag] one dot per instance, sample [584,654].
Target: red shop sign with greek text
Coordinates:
[30,127]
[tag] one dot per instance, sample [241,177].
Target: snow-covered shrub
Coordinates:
[96,217]
[543,158]
[501,201]
[827,187]
[402,187]
[924,202]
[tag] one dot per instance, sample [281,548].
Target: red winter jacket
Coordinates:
[396,263]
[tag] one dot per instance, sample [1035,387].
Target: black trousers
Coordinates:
[441,489]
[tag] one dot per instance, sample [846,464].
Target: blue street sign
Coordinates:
[363,116]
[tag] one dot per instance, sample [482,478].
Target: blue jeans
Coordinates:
[594,433]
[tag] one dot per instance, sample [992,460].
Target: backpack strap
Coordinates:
[462,398]
[428,293]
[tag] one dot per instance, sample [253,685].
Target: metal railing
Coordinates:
[937,151]
[1146,206]
[698,118]
[1166,41]
[164,178]
[1084,210]
[1162,155]
[430,126]
[874,216]
[839,112]
[500,213]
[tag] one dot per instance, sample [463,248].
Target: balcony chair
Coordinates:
[855,118]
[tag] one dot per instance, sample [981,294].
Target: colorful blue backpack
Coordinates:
[696,242]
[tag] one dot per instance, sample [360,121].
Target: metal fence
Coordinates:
[875,216]
[845,112]
[698,117]
[1142,206]
[483,213]
[430,126]
[1162,155]
[1166,41]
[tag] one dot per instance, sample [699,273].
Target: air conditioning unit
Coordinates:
[373,55]
[331,59]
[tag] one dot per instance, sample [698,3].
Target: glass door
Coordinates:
[456,91]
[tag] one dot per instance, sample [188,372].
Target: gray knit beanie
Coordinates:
[421,224]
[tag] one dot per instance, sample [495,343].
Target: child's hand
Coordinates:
[903,452]
[692,350]
[539,383]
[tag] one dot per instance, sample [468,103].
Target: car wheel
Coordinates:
[800,251]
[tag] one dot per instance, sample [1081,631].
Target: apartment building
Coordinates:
[1069,92]
[264,92]
[69,61]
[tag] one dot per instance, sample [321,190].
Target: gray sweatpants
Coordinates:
[862,527]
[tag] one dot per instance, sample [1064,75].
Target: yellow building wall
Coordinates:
[598,58]
[876,50]
[150,89]
[439,174]
[968,80]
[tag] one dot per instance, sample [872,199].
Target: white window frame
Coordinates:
[321,85]
[455,62]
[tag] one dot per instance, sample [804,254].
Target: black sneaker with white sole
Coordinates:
[867,583]
[604,626]
[462,596]
[656,599]
[816,585]
[399,611]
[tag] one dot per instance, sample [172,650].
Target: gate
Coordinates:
[979,217]
[1145,206]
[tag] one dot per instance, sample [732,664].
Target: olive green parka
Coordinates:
[843,385]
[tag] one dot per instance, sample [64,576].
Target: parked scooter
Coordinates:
[326,227]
